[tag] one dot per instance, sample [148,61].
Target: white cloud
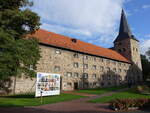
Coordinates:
[61,29]
[145,45]
[80,17]
[146,6]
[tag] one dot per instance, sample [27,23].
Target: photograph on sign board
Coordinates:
[47,84]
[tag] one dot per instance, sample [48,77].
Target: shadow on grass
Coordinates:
[102,90]
[20,96]
[38,110]
[135,91]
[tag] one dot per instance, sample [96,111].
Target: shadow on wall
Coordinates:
[132,76]
[5,86]
[110,78]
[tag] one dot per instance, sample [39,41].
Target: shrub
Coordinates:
[147,104]
[144,89]
[141,102]
[125,104]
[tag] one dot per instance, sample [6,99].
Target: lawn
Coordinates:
[130,94]
[30,100]
[99,91]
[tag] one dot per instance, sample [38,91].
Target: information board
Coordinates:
[47,84]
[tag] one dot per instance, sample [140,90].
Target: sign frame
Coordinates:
[47,84]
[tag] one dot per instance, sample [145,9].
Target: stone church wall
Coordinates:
[71,65]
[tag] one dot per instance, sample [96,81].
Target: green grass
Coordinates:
[130,94]
[99,91]
[30,100]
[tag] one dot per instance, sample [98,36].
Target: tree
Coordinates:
[148,53]
[146,67]
[17,53]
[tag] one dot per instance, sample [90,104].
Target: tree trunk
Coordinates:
[14,88]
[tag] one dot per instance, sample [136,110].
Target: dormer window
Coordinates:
[119,50]
[74,40]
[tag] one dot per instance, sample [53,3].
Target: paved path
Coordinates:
[74,106]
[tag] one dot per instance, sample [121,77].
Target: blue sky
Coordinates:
[95,21]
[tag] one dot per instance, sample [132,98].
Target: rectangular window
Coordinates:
[101,60]
[114,62]
[86,57]
[94,67]
[103,77]
[119,63]
[94,76]
[69,74]
[85,66]
[94,83]
[76,55]
[108,77]
[31,67]
[94,58]
[119,70]
[125,71]
[114,69]
[85,75]
[57,51]
[101,68]
[57,68]
[76,75]
[69,84]
[108,68]
[108,61]
[76,65]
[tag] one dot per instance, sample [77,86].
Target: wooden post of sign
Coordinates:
[41,97]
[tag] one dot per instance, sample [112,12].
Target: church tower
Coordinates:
[127,45]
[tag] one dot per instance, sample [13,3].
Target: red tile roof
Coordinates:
[57,40]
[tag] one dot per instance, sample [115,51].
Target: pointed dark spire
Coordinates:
[124,27]
[124,30]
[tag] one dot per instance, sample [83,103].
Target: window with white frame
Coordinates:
[94,76]
[76,55]
[114,69]
[85,75]
[75,64]
[108,68]
[76,75]
[69,74]
[86,57]
[101,68]
[31,67]
[94,67]
[85,66]
[57,68]
[119,70]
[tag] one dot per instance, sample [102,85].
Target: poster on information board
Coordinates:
[47,84]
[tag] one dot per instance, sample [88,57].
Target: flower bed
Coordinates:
[129,104]
[143,89]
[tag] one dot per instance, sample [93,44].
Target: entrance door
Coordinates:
[75,86]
